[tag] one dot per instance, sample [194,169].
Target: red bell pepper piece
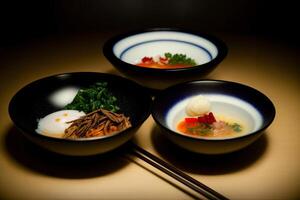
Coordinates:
[163,60]
[211,117]
[202,119]
[207,118]
[191,120]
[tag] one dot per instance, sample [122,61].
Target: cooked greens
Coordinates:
[95,97]
[181,59]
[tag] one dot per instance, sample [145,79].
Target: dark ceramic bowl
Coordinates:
[124,51]
[50,94]
[231,99]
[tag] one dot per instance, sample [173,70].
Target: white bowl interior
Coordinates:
[133,48]
[229,107]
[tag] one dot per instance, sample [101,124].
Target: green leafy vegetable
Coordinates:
[179,59]
[236,127]
[95,97]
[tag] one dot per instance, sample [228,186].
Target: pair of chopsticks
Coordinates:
[175,173]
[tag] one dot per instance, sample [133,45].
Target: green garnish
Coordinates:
[205,131]
[181,59]
[95,97]
[236,127]
[202,129]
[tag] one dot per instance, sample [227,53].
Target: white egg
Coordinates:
[54,124]
[198,105]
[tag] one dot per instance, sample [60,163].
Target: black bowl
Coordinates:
[125,49]
[239,101]
[34,102]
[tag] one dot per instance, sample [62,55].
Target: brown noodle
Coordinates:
[97,123]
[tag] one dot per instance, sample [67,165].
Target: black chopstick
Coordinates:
[176,173]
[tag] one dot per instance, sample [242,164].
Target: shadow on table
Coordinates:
[42,161]
[208,164]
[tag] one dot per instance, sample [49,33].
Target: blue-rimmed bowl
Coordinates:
[124,51]
[50,94]
[233,100]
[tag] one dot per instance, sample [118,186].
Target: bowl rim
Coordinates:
[109,54]
[184,136]
[26,131]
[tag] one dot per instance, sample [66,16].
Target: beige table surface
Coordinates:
[268,169]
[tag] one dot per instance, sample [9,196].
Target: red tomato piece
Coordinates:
[212,118]
[207,118]
[202,119]
[147,59]
[191,120]
[163,60]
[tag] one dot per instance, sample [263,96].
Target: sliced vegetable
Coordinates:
[167,61]
[191,120]
[147,60]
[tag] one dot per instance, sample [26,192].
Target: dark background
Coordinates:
[24,20]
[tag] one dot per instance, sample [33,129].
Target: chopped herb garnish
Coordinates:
[179,59]
[236,127]
[205,131]
[95,97]
[201,129]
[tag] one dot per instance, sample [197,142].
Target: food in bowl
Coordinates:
[200,122]
[168,61]
[75,123]
[51,94]
[242,114]
[213,116]
[97,123]
[197,106]
[94,97]
[140,55]
[55,124]
[166,43]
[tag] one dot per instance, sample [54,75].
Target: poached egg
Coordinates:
[54,124]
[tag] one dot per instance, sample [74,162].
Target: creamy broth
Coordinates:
[224,126]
